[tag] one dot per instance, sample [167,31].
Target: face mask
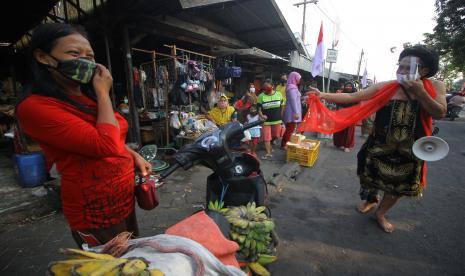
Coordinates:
[80,70]
[252,90]
[402,77]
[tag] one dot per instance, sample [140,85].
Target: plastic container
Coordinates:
[305,157]
[31,169]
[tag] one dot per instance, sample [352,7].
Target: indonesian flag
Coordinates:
[317,62]
[365,78]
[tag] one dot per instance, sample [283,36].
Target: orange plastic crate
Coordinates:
[305,157]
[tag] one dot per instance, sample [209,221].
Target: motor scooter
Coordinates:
[236,178]
[453,111]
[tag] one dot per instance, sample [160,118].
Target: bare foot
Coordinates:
[347,150]
[384,224]
[365,207]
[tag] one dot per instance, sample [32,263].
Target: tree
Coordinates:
[448,37]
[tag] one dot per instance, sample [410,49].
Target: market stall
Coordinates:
[172,92]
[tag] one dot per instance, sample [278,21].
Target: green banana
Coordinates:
[260,209]
[259,269]
[265,259]
[247,243]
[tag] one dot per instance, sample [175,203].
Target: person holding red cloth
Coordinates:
[345,139]
[68,111]
[404,111]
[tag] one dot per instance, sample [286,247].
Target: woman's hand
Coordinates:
[414,87]
[296,116]
[142,165]
[102,80]
[314,91]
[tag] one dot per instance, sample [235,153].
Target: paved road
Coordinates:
[322,234]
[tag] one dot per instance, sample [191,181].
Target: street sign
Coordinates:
[331,56]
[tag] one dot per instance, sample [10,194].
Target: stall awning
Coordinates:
[253,53]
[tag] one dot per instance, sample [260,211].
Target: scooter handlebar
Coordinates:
[253,124]
[170,170]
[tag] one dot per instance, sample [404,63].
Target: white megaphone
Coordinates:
[430,148]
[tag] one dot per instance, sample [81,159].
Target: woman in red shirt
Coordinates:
[68,112]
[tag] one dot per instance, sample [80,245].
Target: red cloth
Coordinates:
[345,138]
[320,119]
[202,229]
[97,171]
[240,104]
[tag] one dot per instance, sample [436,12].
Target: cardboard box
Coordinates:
[297,138]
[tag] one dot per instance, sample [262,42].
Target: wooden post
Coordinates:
[133,115]
[174,54]
[107,53]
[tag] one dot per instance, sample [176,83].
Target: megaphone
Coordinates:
[430,148]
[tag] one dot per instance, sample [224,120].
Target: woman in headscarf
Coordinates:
[293,110]
[345,139]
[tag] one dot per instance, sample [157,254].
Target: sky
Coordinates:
[372,25]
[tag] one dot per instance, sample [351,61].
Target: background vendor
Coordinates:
[222,113]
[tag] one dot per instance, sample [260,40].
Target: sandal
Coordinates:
[266,156]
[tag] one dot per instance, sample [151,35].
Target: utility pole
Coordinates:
[305,2]
[359,64]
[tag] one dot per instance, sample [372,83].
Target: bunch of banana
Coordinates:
[93,264]
[251,229]
[216,206]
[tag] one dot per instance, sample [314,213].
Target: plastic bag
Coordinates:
[247,136]
[174,120]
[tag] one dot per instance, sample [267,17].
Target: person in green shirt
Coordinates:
[270,108]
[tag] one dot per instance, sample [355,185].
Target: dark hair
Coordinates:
[352,84]
[254,106]
[429,58]
[45,38]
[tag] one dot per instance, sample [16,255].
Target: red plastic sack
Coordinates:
[202,229]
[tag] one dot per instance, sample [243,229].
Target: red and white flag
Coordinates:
[317,62]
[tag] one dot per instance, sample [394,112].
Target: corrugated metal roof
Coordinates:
[17,17]
[259,23]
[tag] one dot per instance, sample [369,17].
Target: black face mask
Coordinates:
[80,70]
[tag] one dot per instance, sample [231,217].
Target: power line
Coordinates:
[341,30]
